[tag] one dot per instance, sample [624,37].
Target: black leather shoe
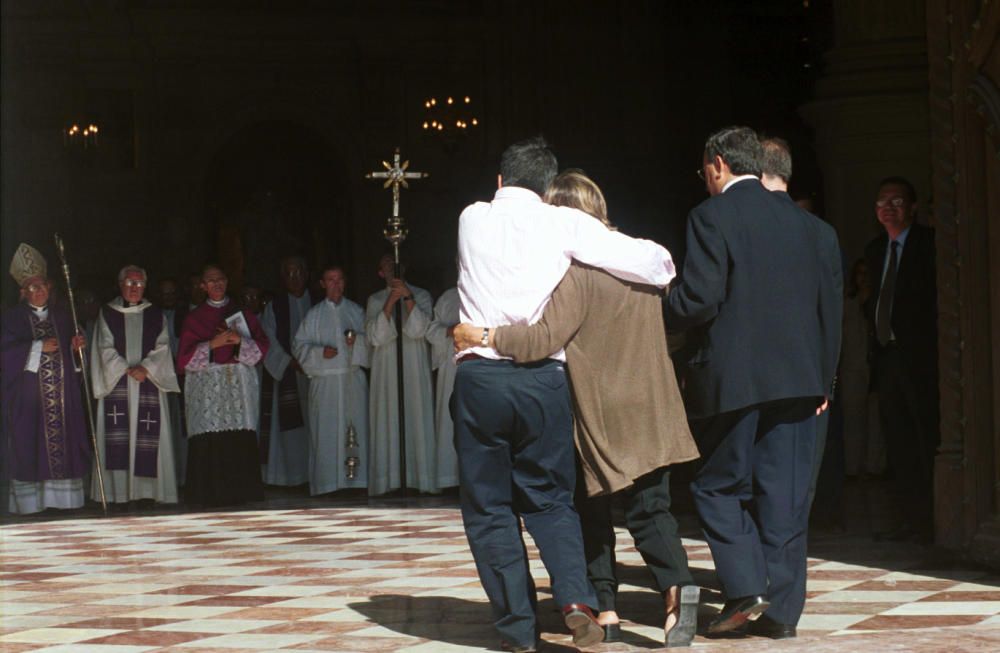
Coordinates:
[581,622]
[517,648]
[682,633]
[612,632]
[765,626]
[737,612]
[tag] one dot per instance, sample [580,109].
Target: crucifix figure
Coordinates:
[395,231]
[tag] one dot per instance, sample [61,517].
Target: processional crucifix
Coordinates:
[395,231]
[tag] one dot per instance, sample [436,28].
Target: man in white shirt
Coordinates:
[513,423]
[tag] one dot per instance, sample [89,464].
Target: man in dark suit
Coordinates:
[901,264]
[776,172]
[760,310]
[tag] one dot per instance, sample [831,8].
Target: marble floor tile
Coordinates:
[986,608]
[255,641]
[215,625]
[56,635]
[389,577]
[91,647]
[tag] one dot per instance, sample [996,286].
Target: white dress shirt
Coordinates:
[737,179]
[514,251]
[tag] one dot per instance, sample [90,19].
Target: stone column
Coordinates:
[870,113]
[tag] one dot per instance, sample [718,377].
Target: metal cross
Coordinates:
[148,421]
[114,415]
[395,175]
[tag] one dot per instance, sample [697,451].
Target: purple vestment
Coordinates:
[43,411]
[116,419]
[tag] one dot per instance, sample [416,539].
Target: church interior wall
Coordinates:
[181,79]
[626,90]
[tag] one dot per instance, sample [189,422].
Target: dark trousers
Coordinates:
[908,409]
[752,499]
[514,438]
[653,527]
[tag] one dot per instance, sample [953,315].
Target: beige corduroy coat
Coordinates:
[630,418]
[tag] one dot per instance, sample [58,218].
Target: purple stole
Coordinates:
[116,417]
[289,407]
[50,388]
[43,419]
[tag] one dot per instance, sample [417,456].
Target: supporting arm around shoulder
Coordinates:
[631,259]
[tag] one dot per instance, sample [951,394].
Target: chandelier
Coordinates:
[84,134]
[449,117]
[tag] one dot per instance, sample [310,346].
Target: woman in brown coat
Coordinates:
[630,420]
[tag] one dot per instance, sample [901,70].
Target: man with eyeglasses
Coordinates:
[901,265]
[47,453]
[132,372]
[757,300]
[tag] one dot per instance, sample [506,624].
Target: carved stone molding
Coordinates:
[984,96]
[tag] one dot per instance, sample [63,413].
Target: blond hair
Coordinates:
[573,188]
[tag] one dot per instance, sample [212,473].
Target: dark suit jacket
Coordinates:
[761,296]
[914,304]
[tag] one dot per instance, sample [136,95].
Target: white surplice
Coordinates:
[443,360]
[383,446]
[338,393]
[176,400]
[288,453]
[107,367]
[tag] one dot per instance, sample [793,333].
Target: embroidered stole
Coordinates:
[51,376]
[116,417]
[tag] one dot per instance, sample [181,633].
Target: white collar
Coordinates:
[737,179]
[333,303]
[118,303]
[516,192]
[218,304]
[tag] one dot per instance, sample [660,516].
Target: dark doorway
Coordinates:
[276,189]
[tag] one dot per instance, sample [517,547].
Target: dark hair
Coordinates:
[776,158]
[211,266]
[900,181]
[529,164]
[332,266]
[738,147]
[294,259]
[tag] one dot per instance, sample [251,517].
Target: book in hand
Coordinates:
[238,323]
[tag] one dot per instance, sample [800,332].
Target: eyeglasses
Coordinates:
[134,283]
[701,173]
[894,202]
[35,288]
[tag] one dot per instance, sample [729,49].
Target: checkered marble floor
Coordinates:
[400,578]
